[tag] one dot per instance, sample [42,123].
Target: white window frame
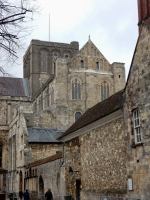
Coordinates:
[136,123]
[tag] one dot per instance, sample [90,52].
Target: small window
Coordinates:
[66,56]
[82,64]
[54,67]
[22,139]
[97,65]
[119,76]
[136,120]
[77,115]
[130,184]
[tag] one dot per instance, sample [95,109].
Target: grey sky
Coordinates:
[111,24]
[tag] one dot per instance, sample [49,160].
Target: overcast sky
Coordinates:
[111,24]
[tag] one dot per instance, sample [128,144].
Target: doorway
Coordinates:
[78,188]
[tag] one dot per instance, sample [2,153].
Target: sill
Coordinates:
[136,145]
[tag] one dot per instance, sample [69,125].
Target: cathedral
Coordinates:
[74,125]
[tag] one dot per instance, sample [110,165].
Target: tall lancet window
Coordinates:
[104,90]
[43,61]
[76,89]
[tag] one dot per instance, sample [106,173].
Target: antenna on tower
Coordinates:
[49,27]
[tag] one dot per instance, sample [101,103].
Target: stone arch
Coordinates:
[41,185]
[20,180]
[56,53]
[67,53]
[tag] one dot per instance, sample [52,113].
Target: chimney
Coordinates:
[143,11]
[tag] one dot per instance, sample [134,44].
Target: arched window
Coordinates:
[97,65]
[82,64]
[104,90]
[43,61]
[76,89]
[41,185]
[77,115]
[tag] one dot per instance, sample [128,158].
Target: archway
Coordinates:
[41,185]
[20,181]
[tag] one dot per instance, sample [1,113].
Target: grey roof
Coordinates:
[44,135]
[14,87]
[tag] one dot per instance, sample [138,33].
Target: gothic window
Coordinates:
[104,90]
[0,155]
[82,64]
[97,65]
[77,115]
[136,121]
[76,89]
[43,61]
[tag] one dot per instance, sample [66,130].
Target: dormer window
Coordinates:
[82,64]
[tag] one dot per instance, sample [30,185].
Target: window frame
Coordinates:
[137,127]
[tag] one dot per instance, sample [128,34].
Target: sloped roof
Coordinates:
[43,135]
[45,160]
[100,110]
[14,87]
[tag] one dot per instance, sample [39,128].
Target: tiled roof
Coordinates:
[45,160]
[44,135]
[109,105]
[13,87]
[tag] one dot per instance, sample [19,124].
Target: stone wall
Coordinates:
[98,158]
[137,96]
[48,175]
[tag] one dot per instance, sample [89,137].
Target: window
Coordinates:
[76,89]
[66,56]
[104,90]
[81,64]
[97,65]
[54,67]
[136,121]
[43,61]
[0,156]
[77,115]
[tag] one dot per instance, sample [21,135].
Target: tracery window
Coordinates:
[76,89]
[136,121]
[43,61]
[104,90]
[77,115]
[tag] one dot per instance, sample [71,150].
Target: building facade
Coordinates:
[60,83]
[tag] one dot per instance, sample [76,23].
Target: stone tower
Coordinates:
[40,61]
